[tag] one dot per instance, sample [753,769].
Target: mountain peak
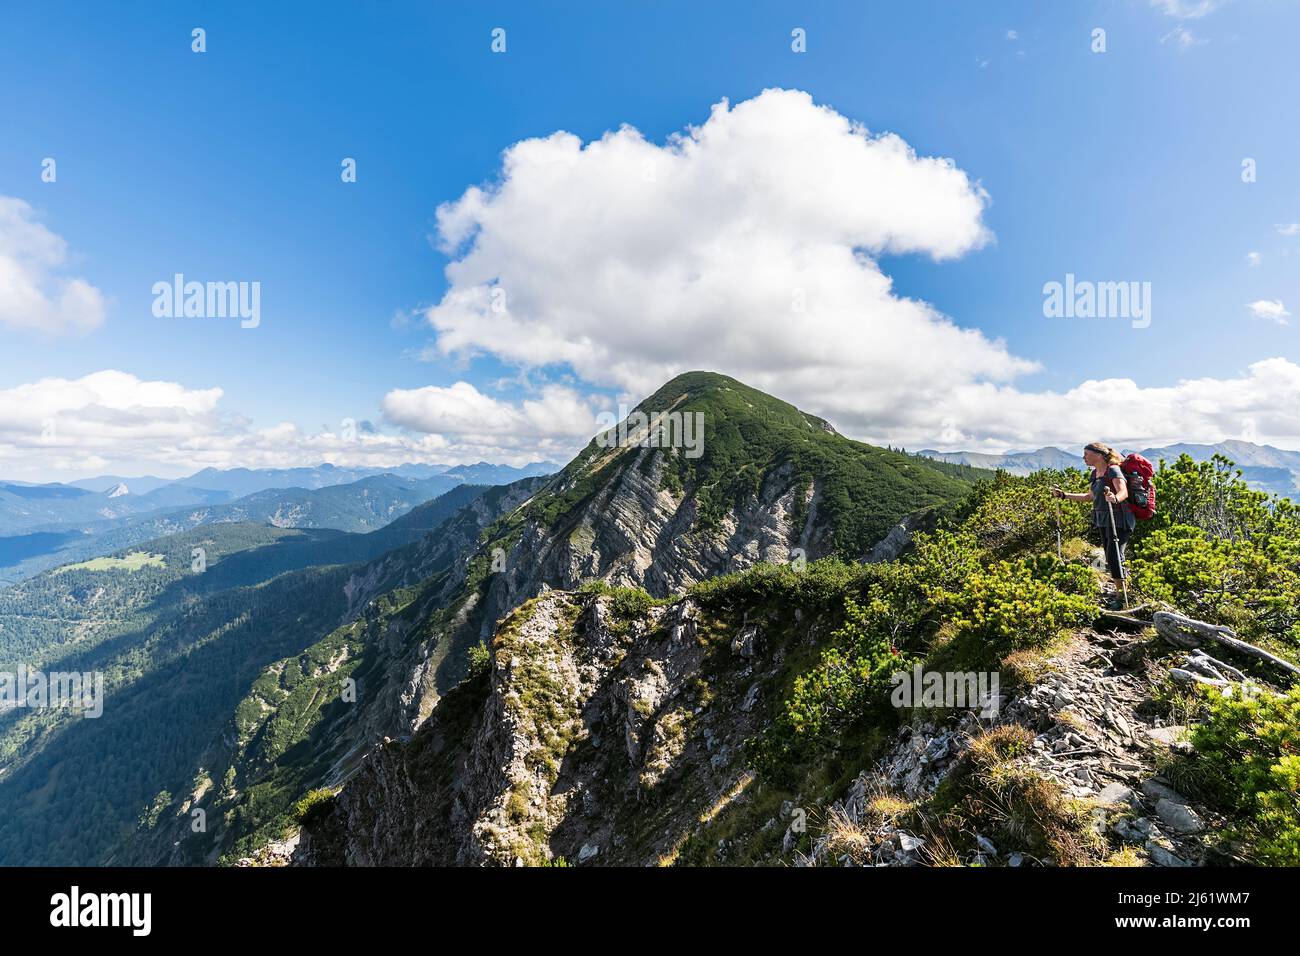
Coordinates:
[728,398]
[660,507]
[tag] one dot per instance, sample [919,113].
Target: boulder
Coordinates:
[1116,795]
[1162,855]
[1178,816]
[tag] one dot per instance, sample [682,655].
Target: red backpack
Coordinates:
[1141,486]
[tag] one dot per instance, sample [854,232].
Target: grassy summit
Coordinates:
[748,435]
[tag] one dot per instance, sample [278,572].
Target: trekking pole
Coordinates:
[1057,502]
[1119,554]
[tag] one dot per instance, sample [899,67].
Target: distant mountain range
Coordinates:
[140,485]
[42,526]
[56,507]
[1274,470]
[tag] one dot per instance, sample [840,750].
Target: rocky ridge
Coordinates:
[1094,736]
[602,739]
[567,749]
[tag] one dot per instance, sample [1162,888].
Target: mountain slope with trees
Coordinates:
[179,646]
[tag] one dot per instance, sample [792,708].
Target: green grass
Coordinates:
[132,561]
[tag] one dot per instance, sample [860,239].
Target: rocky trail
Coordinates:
[1096,734]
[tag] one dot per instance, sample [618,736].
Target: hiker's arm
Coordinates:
[1075,495]
[1118,489]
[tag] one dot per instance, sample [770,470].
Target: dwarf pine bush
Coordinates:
[851,676]
[1006,608]
[479,662]
[948,603]
[1213,496]
[313,806]
[1247,760]
[1010,516]
[1223,553]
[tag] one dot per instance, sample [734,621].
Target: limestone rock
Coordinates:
[1179,817]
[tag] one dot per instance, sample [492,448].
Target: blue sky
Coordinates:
[1123,165]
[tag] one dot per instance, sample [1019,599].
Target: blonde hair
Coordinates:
[1101,448]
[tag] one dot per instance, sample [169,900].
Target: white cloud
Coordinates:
[555,424]
[54,424]
[1254,258]
[1013,35]
[1183,37]
[32,294]
[1117,410]
[1270,309]
[750,245]
[1187,9]
[112,421]
[1288,228]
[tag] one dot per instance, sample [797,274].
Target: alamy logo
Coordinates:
[1083,299]
[208,300]
[684,430]
[947,689]
[103,909]
[36,689]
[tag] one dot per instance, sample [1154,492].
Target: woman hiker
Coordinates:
[1107,491]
